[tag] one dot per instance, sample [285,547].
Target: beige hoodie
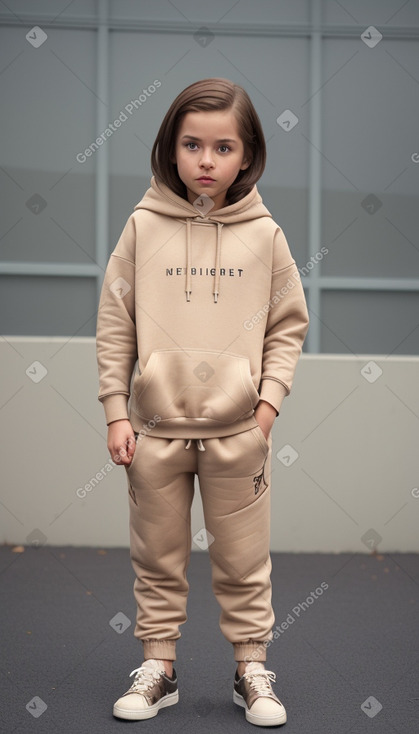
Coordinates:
[211,305]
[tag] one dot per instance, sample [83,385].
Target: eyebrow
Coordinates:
[198,140]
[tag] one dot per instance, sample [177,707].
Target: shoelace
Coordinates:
[144,679]
[260,680]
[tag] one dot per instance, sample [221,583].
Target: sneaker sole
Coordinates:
[257,719]
[138,715]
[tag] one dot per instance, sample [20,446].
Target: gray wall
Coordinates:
[350,428]
[345,177]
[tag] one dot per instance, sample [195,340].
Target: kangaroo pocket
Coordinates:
[194,385]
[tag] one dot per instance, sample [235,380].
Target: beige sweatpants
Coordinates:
[234,480]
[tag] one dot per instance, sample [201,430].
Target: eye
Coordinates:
[224,148]
[188,146]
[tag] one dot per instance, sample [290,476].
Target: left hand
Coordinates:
[265,415]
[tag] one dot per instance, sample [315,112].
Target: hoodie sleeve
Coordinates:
[116,342]
[286,326]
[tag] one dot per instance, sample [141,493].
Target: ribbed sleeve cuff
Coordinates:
[116,407]
[273,392]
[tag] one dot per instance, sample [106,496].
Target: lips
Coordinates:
[205,178]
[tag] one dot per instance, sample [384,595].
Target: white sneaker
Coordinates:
[152,690]
[254,692]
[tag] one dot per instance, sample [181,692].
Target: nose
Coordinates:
[206,158]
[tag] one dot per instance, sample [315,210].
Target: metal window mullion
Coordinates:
[102,156]
[50,269]
[361,283]
[315,173]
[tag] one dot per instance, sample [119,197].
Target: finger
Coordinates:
[116,458]
[120,455]
[130,447]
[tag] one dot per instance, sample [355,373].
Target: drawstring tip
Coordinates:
[188,295]
[215,297]
[199,444]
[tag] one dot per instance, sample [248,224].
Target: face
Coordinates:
[209,154]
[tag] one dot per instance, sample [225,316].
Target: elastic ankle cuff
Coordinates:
[252,651]
[159,649]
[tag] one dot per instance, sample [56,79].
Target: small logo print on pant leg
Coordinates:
[260,481]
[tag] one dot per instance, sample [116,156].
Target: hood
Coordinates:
[160,199]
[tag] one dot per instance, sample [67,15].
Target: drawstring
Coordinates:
[217,263]
[188,287]
[188,284]
[199,444]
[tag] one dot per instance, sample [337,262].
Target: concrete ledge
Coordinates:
[344,465]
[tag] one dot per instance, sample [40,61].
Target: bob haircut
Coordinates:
[204,96]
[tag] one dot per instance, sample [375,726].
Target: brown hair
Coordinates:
[207,95]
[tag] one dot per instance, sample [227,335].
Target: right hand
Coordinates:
[121,442]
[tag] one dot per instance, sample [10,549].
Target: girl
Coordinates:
[202,290]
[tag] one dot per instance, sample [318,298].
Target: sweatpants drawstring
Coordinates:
[199,444]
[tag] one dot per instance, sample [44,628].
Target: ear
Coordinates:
[245,164]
